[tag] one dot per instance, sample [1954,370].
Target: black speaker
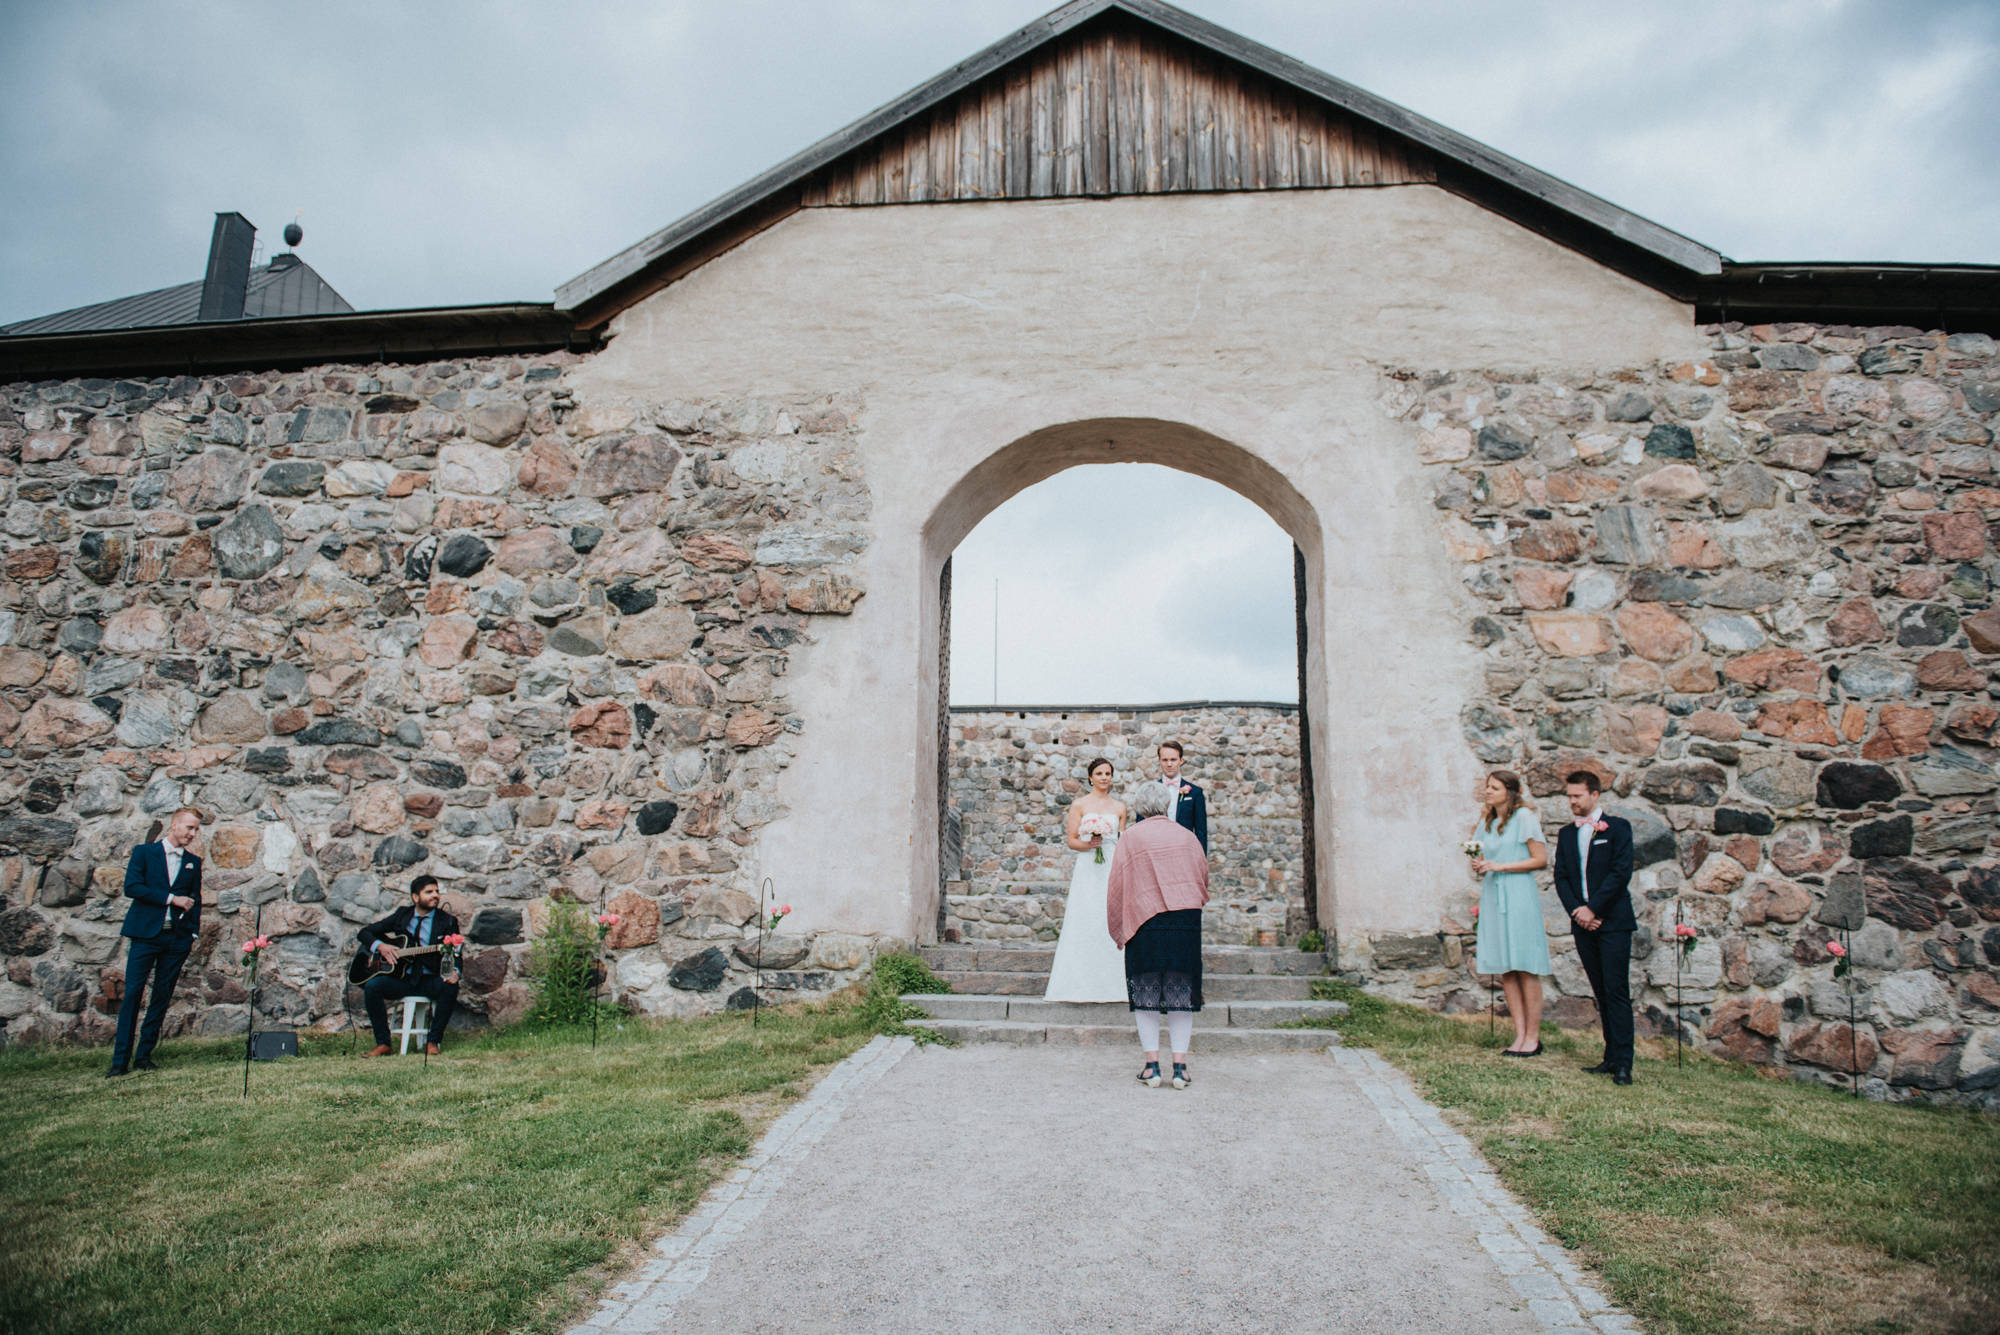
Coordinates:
[273,1044]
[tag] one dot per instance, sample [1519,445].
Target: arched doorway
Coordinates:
[1051,450]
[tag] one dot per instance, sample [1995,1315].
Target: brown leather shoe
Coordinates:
[382,1051]
[433,1050]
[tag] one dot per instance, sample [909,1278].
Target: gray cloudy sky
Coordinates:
[457,153]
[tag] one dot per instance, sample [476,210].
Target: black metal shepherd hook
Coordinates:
[250,1030]
[1853,1036]
[763,932]
[1680,957]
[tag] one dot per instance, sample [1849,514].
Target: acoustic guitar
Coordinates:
[368,965]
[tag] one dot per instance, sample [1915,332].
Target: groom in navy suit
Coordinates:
[1187,804]
[163,881]
[1593,871]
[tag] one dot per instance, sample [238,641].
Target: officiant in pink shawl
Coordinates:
[1159,882]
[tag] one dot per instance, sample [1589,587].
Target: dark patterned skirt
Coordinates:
[1163,963]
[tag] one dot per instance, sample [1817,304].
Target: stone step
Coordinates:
[1215,1015]
[1271,960]
[1206,1042]
[1214,986]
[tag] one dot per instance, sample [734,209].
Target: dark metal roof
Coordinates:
[295,341]
[1957,298]
[1533,198]
[287,286]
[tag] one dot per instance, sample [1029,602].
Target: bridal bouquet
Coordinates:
[1100,826]
[1473,848]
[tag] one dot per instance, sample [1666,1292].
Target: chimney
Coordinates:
[228,280]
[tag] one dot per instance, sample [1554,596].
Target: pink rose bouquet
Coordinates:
[1094,826]
[778,915]
[1685,936]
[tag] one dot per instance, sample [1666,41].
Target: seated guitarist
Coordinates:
[420,923]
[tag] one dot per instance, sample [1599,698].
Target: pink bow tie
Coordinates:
[1584,824]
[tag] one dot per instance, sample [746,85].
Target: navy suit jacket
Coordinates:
[146,886]
[1608,873]
[1192,812]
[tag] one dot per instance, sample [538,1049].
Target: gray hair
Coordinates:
[1148,799]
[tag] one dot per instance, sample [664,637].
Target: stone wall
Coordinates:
[1014,773]
[375,621]
[1753,592]
[466,618]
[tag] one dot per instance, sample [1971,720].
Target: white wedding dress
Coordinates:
[1088,964]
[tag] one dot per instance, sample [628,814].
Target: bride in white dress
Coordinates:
[1088,964]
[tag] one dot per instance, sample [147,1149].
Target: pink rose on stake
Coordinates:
[1686,936]
[778,915]
[253,952]
[1841,963]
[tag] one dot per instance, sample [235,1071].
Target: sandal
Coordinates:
[1181,1078]
[1149,1075]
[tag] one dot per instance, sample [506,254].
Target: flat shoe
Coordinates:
[144,1064]
[1602,1068]
[116,1070]
[1622,1076]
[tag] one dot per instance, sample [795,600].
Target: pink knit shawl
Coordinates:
[1159,866]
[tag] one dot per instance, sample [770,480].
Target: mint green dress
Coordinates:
[1511,936]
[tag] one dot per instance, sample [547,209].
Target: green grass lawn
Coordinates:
[1713,1199]
[378,1195]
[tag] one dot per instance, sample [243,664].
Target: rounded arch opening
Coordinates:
[1047,451]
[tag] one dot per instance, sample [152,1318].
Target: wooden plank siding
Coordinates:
[1118,111]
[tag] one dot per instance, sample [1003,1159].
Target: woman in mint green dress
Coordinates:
[1512,941]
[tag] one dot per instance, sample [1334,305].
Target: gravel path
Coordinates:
[1002,1189]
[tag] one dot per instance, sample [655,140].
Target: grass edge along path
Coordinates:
[1713,1199]
[498,1188]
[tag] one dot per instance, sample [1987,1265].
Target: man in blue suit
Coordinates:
[1187,804]
[1593,871]
[163,881]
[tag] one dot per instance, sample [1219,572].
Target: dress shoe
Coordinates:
[116,1070]
[1622,1076]
[1602,1068]
[381,1051]
[1511,1053]
[145,1064]
[432,1050]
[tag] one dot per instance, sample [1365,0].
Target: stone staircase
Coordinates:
[996,997]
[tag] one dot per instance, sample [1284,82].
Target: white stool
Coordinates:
[410,1024]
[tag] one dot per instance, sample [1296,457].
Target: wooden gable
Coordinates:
[1119,110]
[1103,98]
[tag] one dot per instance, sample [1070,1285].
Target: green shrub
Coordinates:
[1313,942]
[882,998]
[1361,1006]
[899,974]
[562,968]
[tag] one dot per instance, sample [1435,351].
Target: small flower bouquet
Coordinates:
[1841,961]
[1473,848]
[778,915]
[253,952]
[1102,827]
[448,948]
[605,922]
[1684,936]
